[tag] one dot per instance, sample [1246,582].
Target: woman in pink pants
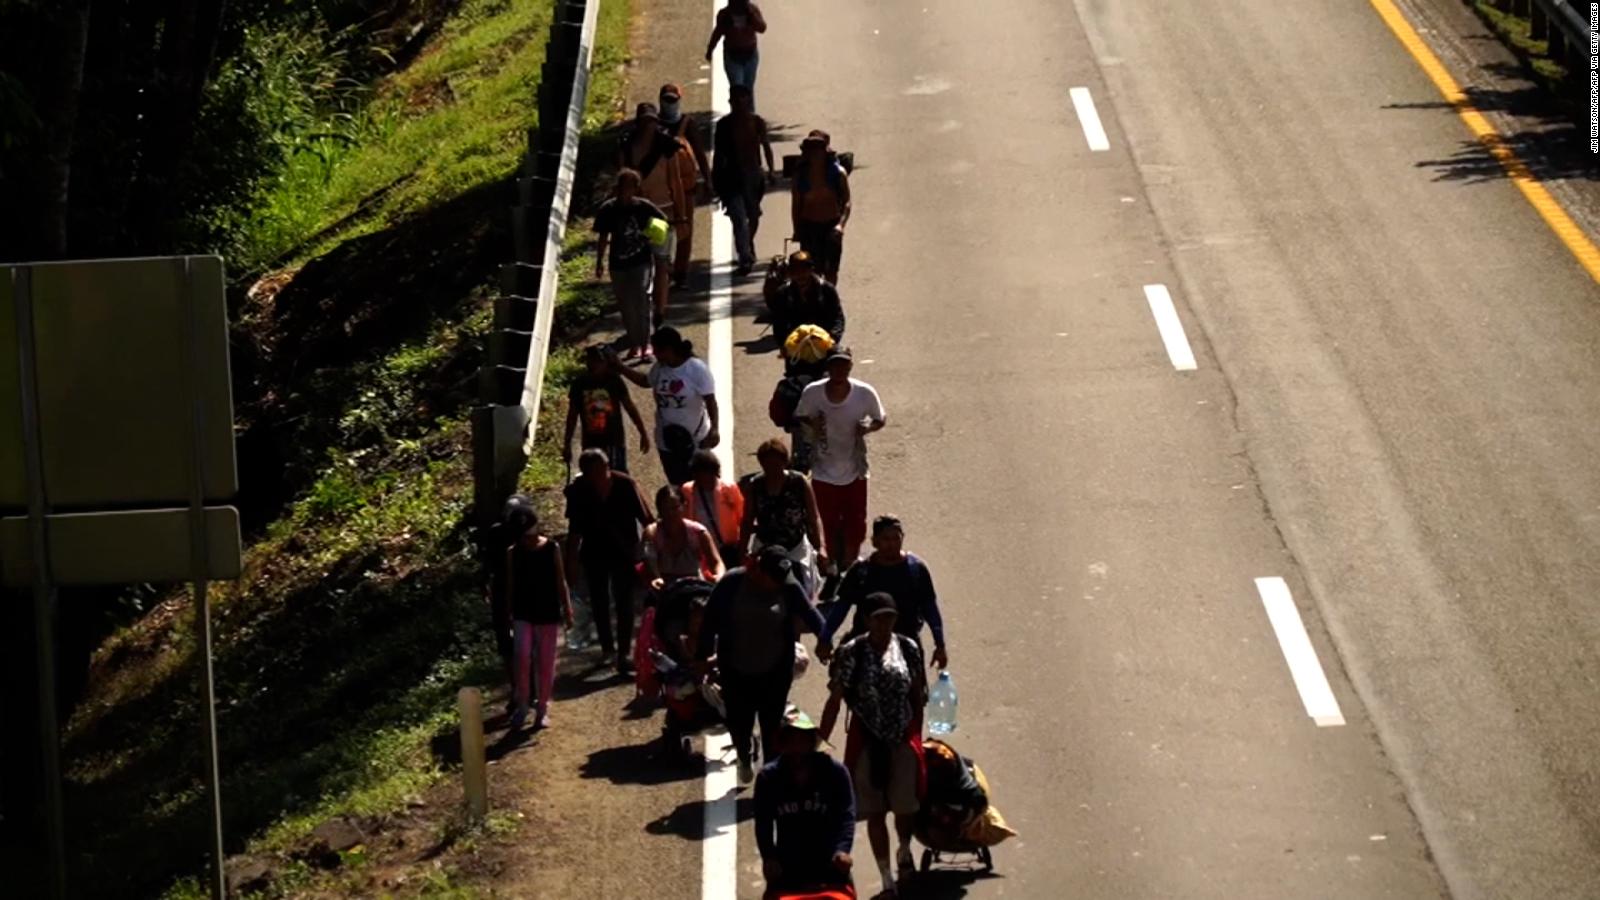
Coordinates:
[536,592]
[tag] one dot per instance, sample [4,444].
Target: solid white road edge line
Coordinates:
[1170,327]
[1297,650]
[719,863]
[1093,131]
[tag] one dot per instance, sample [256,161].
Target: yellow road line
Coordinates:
[1548,208]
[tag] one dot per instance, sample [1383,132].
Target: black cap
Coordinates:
[645,110]
[774,562]
[839,353]
[879,603]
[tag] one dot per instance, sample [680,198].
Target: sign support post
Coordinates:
[199,561]
[130,354]
[44,591]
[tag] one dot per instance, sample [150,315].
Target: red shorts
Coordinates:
[843,510]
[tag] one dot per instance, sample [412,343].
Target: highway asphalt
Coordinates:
[1395,407]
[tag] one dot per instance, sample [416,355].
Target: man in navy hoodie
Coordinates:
[805,813]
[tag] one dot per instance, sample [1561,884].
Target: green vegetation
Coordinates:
[339,652]
[452,121]
[1517,32]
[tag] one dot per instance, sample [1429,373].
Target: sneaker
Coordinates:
[904,862]
[747,772]
[744,269]
[544,721]
[518,719]
[624,666]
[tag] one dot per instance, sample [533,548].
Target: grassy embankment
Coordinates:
[339,652]
[1517,32]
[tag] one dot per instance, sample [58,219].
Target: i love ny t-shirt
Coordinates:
[680,393]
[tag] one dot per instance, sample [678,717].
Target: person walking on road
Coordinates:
[739,144]
[842,412]
[805,813]
[750,627]
[805,299]
[890,570]
[676,547]
[820,203]
[606,512]
[693,170]
[780,510]
[536,593]
[716,504]
[651,150]
[686,401]
[880,676]
[680,125]
[739,22]
[597,398]
[497,542]
[623,223]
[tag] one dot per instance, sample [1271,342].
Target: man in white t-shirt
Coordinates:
[841,411]
[686,402]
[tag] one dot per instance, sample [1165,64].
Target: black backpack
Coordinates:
[785,397]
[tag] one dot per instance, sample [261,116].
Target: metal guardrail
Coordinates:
[1563,26]
[1570,24]
[512,379]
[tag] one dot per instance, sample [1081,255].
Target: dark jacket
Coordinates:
[719,632]
[802,828]
[791,308]
[910,583]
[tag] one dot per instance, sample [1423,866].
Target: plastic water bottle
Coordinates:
[578,634]
[942,705]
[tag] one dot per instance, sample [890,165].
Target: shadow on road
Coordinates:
[1551,144]
[945,884]
[639,764]
[688,821]
[576,682]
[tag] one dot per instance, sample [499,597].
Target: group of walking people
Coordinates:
[646,227]
[782,545]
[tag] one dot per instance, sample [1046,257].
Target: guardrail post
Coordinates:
[474,771]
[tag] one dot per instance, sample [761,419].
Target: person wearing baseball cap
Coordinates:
[883,744]
[805,813]
[677,122]
[693,170]
[750,627]
[680,125]
[805,299]
[842,412]
[821,203]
